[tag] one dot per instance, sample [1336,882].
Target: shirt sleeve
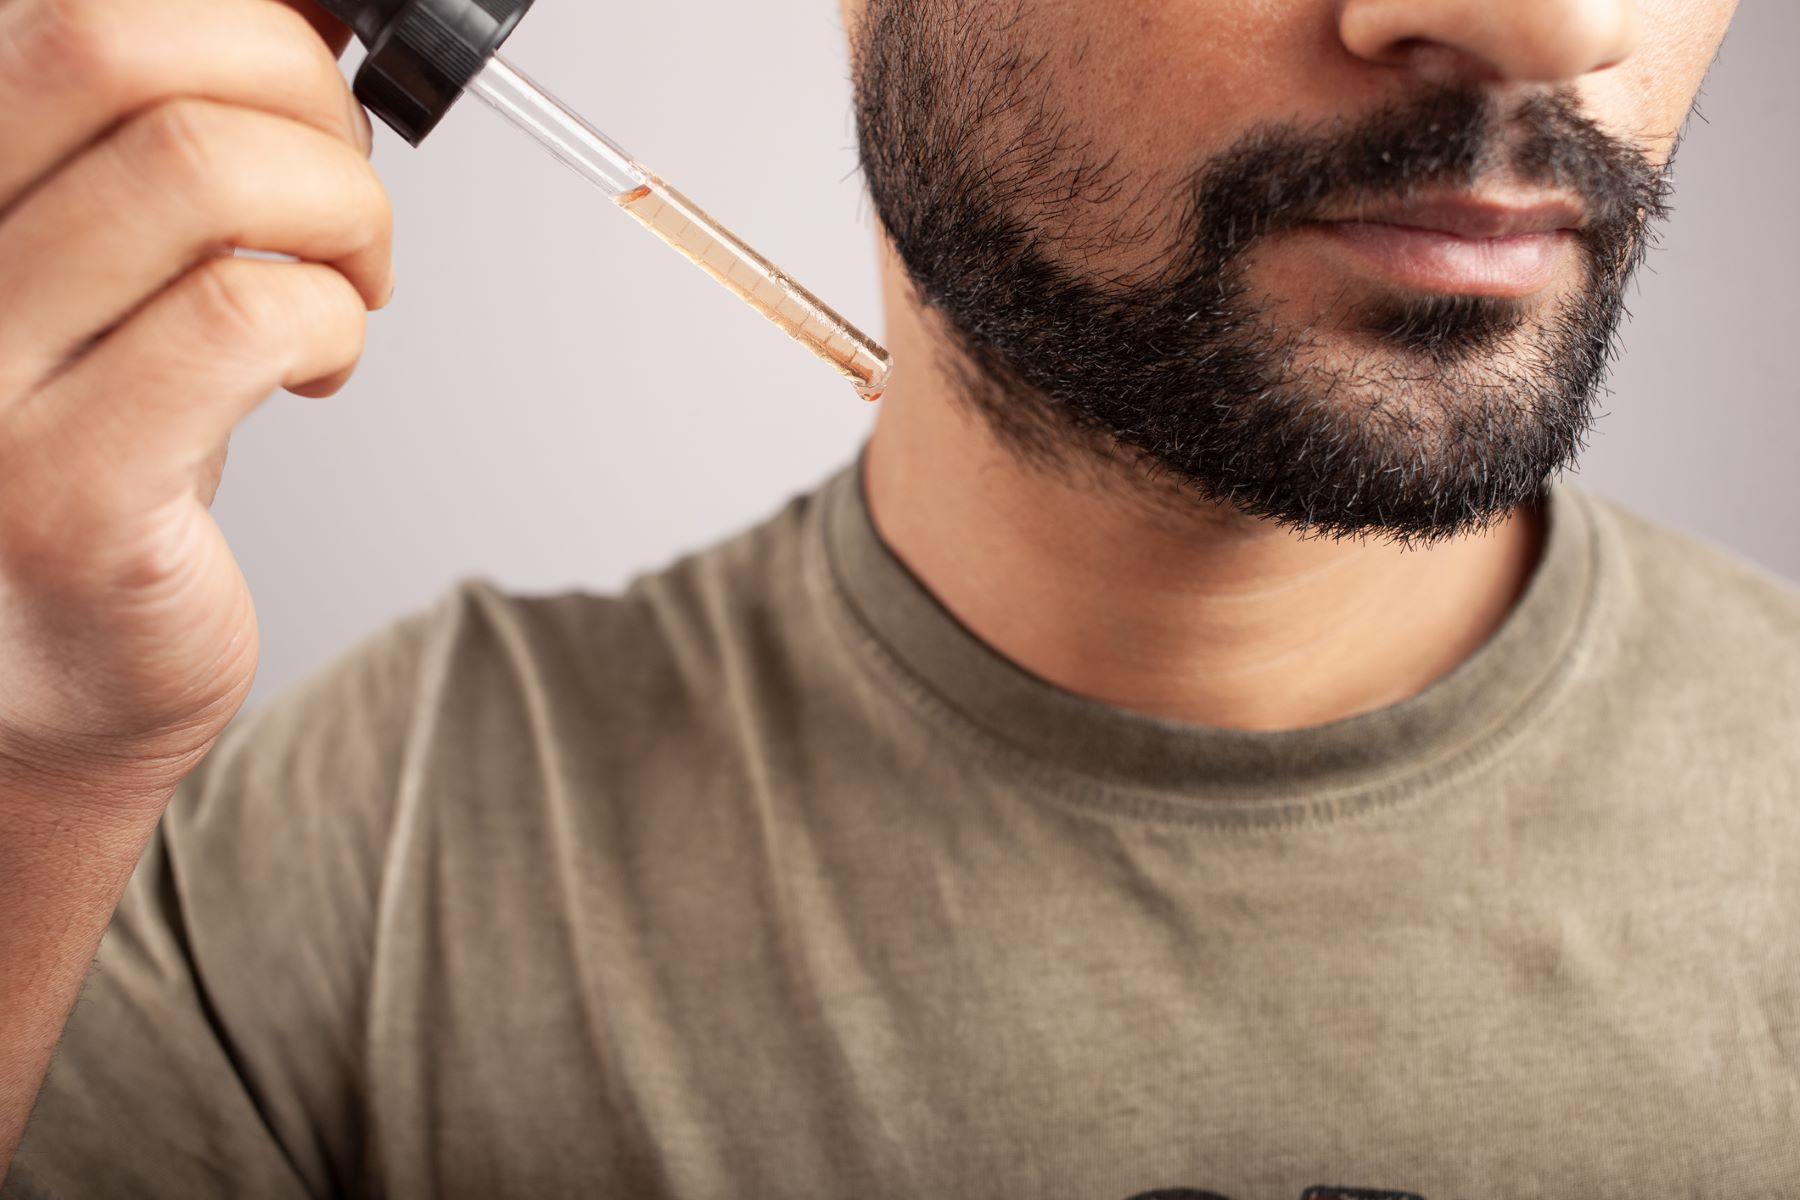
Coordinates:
[216,1048]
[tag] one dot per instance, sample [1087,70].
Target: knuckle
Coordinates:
[66,44]
[174,144]
[232,301]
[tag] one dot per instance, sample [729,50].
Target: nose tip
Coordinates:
[1535,41]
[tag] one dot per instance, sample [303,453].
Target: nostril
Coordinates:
[1440,62]
[1490,40]
[1409,48]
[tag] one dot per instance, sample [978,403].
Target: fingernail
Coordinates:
[359,124]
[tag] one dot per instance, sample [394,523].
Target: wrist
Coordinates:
[75,779]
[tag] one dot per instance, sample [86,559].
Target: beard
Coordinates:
[1411,417]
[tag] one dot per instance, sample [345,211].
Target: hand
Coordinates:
[139,144]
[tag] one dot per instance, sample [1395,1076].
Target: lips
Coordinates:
[1459,245]
[1471,217]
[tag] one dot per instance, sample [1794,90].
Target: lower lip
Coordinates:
[1433,261]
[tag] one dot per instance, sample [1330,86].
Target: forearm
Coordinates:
[66,854]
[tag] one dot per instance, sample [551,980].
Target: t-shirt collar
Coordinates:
[1461,718]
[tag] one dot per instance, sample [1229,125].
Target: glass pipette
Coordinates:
[679,222]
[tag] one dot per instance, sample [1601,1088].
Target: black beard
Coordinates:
[1454,411]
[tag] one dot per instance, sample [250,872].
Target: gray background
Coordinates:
[555,400]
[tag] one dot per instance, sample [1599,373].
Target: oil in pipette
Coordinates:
[758,282]
[684,225]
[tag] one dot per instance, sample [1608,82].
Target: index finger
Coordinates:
[72,69]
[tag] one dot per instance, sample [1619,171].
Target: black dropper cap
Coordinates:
[422,53]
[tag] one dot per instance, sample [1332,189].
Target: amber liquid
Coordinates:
[682,224]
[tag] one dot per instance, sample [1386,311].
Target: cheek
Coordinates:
[1166,83]
[1648,96]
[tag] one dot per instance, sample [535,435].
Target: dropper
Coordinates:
[423,54]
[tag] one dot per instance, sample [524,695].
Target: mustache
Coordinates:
[1281,176]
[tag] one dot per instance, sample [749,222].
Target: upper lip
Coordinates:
[1471,216]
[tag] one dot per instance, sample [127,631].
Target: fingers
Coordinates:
[335,35]
[145,411]
[160,193]
[70,69]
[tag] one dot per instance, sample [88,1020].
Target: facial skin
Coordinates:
[1065,181]
[1304,313]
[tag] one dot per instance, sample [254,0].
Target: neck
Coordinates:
[1090,581]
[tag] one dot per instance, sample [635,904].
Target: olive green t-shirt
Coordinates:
[767,879]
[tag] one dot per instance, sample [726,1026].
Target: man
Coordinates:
[1200,749]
